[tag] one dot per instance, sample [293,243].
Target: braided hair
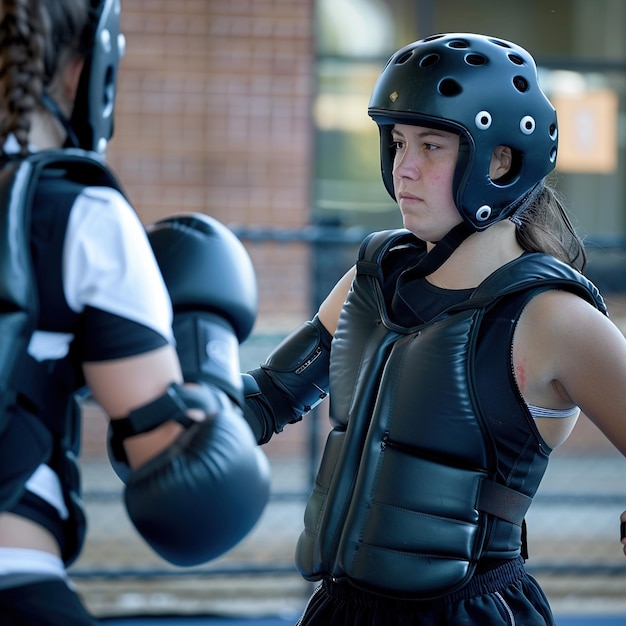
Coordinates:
[36,38]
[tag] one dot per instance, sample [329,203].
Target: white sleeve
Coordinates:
[108,263]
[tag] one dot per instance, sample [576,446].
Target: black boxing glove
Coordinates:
[213,289]
[203,494]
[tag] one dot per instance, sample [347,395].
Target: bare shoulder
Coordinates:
[556,303]
[561,308]
[566,325]
[580,354]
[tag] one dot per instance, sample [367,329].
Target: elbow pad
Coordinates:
[293,380]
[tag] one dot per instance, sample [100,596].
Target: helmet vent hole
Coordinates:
[515,58]
[521,84]
[460,44]
[553,155]
[449,87]
[499,42]
[553,132]
[527,125]
[475,59]
[429,60]
[483,120]
[403,58]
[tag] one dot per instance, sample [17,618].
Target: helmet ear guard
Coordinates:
[444,82]
[92,117]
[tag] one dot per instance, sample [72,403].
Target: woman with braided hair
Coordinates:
[457,353]
[42,51]
[87,297]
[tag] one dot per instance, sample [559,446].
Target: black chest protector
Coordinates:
[434,458]
[39,418]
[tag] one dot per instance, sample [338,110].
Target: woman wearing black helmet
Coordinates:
[454,371]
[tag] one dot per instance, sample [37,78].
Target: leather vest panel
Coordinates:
[407,437]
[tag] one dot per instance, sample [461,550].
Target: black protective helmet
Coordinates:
[486,90]
[92,117]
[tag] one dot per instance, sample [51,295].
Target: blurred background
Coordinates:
[255,112]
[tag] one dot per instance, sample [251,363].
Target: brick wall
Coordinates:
[213,116]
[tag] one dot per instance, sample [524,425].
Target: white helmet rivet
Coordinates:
[483,213]
[527,125]
[105,41]
[483,120]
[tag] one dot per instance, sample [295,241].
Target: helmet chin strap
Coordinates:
[51,105]
[442,250]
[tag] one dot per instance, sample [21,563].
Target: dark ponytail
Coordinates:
[544,226]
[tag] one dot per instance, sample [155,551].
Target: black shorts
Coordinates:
[504,596]
[48,602]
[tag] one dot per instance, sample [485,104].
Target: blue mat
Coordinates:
[592,620]
[201,621]
[579,620]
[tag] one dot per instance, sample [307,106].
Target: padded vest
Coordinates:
[39,418]
[428,468]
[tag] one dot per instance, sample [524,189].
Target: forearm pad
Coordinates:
[292,381]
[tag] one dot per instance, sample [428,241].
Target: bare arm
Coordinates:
[568,353]
[591,365]
[121,385]
[331,307]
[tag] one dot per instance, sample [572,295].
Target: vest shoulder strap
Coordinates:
[376,245]
[531,271]
[520,274]
[18,293]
